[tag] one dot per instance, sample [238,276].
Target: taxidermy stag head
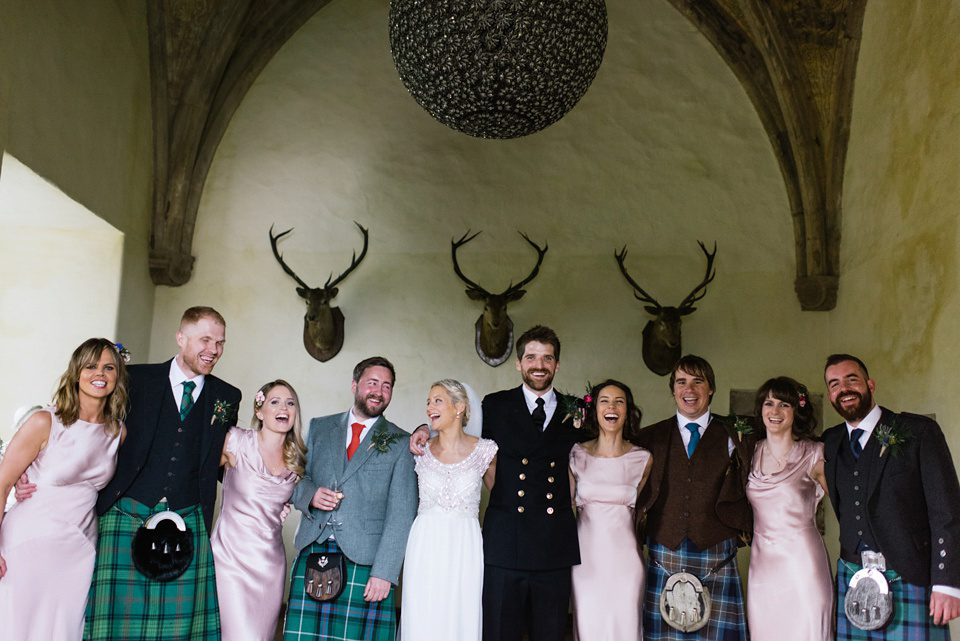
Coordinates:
[494,329]
[661,336]
[322,324]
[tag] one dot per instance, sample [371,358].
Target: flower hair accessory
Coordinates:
[123,351]
[258,400]
[801,399]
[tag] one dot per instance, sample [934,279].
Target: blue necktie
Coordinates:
[855,446]
[694,438]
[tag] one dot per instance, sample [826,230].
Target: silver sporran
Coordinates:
[869,603]
[685,603]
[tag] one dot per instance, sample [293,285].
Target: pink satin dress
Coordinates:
[49,540]
[789,586]
[247,542]
[608,584]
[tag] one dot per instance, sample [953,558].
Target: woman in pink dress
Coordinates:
[789,588]
[263,465]
[606,474]
[48,543]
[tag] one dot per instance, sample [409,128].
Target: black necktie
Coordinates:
[539,415]
[855,446]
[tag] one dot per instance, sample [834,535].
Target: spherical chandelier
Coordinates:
[497,68]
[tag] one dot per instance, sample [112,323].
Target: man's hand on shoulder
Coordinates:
[418,440]
[943,607]
[376,590]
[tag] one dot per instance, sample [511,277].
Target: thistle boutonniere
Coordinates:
[381,440]
[222,411]
[575,407]
[892,436]
[739,424]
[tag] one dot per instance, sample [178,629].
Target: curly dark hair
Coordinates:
[631,427]
[789,391]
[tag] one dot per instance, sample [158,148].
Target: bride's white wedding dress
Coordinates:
[443,566]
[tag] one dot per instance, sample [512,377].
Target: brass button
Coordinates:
[523,477]
[524,461]
[549,496]
[520,493]
[553,463]
[549,510]
[520,509]
[549,479]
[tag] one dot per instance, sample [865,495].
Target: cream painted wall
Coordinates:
[75,108]
[899,304]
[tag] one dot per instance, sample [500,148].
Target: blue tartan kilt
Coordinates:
[348,618]
[728,617]
[911,611]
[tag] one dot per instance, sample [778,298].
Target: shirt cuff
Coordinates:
[948,590]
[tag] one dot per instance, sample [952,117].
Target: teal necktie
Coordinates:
[186,401]
[694,438]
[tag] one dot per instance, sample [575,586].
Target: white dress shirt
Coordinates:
[702,422]
[178,378]
[549,402]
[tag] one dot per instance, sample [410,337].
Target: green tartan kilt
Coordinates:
[347,618]
[124,604]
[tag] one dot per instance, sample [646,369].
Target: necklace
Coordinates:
[779,461]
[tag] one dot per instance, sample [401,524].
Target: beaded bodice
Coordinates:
[453,487]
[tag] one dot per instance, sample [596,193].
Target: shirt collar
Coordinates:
[353,418]
[703,420]
[177,376]
[531,397]
[868,424]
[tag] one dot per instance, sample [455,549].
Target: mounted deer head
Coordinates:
[322,324]
[661,336]
[494,329]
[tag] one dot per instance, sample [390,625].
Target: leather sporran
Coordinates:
[162,547]
[326,575]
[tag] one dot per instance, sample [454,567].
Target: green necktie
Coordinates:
[186,401]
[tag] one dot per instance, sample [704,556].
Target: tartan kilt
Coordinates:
[911,611]
[348,618]
[728,616]
[124,604]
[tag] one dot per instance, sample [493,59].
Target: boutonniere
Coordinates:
[575,407]
[739,424]
[222,411]
[892,436]
[381,440]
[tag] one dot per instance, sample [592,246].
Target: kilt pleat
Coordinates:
[124,604]
[348,618]
[728,617]
[911,611]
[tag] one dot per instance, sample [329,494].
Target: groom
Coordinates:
[359,497]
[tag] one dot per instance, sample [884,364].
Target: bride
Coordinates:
[444,558]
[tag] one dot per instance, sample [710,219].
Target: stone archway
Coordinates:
[796,60]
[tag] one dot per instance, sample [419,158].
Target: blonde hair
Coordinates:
[294,449]
[66,398]
[458,394]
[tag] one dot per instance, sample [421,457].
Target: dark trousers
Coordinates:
[537,601]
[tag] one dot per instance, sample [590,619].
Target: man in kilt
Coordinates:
[177,420]
[693,512]
[359,498]
[894,487]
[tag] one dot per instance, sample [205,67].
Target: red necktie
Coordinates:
[355,441]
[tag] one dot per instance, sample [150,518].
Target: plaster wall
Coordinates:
[663,150]
[75,109]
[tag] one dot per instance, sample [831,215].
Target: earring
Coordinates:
[458,414]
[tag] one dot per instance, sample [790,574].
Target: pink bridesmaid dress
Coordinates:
[49,541]
[789,587]
[608,584]
[247,542]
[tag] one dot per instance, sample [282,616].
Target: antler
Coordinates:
[512,289]
[454,246]
[701,289]
[353,261]
[279,256]
[645,297]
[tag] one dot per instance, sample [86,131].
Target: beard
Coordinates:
[854,413]
[362,404]
[537,385]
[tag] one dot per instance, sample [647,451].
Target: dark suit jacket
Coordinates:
[733,508]
[148,384]
[529,523]
[913,500]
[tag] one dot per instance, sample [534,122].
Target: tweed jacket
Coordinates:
[379,494]
[148,384]
[913,499]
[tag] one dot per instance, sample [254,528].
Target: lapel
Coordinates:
[832,442]
[877,462]
[526,432]
[208,395]
[364,451]
[154,390]
[553,426]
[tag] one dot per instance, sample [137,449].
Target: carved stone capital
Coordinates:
[817,293]
[172,268]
